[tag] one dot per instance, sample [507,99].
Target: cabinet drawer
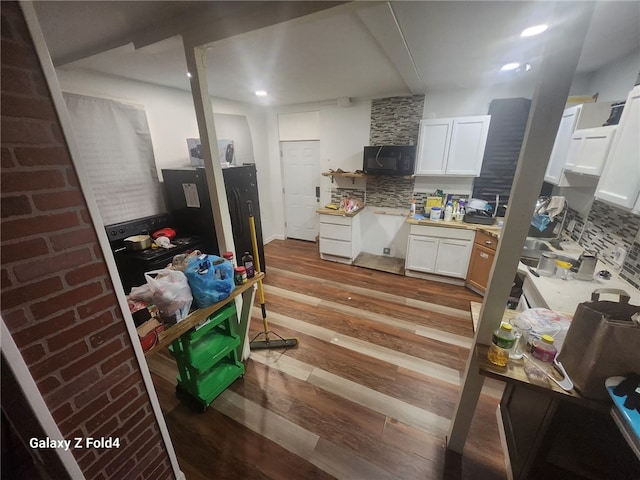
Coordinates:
[442,232]
[335,247]
[486,240]
[335,219]
[335,232]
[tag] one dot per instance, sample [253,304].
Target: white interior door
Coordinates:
[301,167]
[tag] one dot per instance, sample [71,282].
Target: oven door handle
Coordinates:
[238,208]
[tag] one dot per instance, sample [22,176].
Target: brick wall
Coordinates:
[57,298]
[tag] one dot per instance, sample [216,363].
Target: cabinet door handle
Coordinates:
[488,242]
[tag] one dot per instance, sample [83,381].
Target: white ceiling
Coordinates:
[359,49]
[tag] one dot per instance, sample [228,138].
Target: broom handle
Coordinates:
[256,260]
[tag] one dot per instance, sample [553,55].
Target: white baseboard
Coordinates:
[272,238]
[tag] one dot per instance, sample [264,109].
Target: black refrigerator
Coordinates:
[188,202]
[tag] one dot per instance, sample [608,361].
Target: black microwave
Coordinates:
[389,160]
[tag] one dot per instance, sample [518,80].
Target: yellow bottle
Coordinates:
[501,343]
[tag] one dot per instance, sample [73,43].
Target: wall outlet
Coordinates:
[619,255]
[571,226]
[386,251]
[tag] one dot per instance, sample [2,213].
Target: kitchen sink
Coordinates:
[532,243]
[531,257]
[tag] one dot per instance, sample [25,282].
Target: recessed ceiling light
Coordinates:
[535,30]
[509,66]
[189,75]
[261,93]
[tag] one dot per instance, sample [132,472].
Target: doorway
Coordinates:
[301,179]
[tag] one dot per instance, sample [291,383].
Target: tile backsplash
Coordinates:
[606,228]
[396,120]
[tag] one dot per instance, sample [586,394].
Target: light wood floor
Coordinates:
[368,394]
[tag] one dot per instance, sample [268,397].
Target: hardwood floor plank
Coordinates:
[388,355]
[368,393]
[387,297]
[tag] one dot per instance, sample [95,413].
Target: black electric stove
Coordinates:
[132,265]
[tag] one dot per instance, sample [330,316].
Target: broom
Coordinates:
[280,342]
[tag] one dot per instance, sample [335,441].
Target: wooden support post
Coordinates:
[565,39]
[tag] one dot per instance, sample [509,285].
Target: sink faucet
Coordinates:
[555,241]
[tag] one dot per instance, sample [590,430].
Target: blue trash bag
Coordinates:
[210,278]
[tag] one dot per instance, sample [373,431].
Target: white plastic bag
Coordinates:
[170,292]
[547,322]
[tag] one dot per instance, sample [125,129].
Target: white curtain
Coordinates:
[115,146]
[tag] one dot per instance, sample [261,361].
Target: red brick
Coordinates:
[106,429]
[48,385]
[81,416]
[16,205]
[16,319]
[134,379]
[26,181]
[40,85]
[21,131]
[14,229]
[58,360]
[52,264]
[27,107]
[18,28]
[147,420]
[32,354]
[104,458]
[60,414]
[65,240]
[97,305]
[73,386]
[142,400]
[5,281]
[25,293]
[146,458]
[7,158]
[38,156]
[43,328]
[23,250]
[151,437]
[111,410]
[15,81]
[86,272]
[119,469]
[160,472]
[115,330]
[122,357]
[153,465]
[58,200]
[58,135]
[72,178]
[65,301]
[104,352]
[112,467]
[78,331]
[101,384]
[87,460]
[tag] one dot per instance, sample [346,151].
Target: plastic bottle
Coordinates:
[448,211]
[229,256]
[247,262]
[543,349]
[502,342]
[413,207]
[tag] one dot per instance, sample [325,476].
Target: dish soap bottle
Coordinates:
[448,211]
[501,343]
[413,208]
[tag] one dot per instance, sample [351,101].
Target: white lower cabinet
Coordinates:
[339,238]
[439,251]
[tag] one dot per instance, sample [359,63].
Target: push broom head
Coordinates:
[278,343]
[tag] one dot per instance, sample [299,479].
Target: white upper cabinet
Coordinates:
[589,148]
[588,115]
[620,180]
[452,146]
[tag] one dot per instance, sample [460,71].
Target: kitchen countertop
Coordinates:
[340,213]
[565,295]
[492,230]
